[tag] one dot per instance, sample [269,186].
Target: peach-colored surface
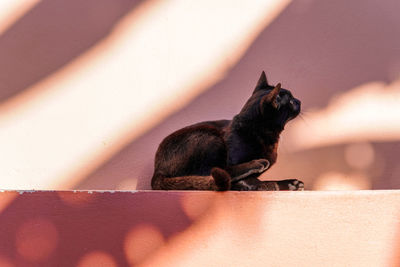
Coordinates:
[149,228]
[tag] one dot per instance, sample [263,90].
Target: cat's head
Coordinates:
[271,104]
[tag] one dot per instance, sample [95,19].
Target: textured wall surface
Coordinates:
[355,228]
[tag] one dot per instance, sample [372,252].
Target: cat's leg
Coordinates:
[219,180]
[249,184]
[282,185]
[254,184]
[243,170]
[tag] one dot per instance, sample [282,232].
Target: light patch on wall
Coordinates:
[5,262]
[97,258]
[359,155]
[194,208]
[76,199]
[254,224]
[127,184]
[340,181]
[6,198]
[36,239]
[141,242]
[367,113]
[11,11]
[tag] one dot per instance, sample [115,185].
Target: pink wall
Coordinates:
[359,228]
[59,228]
[318,49]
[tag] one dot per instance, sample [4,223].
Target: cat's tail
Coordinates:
[222,179]
[219,180]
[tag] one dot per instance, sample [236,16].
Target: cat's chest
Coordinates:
[240,151]
[239,154]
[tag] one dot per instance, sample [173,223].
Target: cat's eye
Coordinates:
[283,94]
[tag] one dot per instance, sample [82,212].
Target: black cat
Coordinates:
[229,154]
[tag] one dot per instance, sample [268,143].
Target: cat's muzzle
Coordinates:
[295,106]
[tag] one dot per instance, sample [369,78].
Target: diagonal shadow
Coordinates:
[315,48]
[52,34]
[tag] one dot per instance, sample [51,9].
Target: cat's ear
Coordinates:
[262,82]
[274,94]
[271,97]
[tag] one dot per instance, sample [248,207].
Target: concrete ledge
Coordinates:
[150,228]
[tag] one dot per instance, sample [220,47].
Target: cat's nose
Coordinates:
[295,105]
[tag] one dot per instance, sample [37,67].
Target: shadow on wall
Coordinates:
[317,49]
[52,34]
[125,228]
[89,229]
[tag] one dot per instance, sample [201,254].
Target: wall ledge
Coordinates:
[199,228]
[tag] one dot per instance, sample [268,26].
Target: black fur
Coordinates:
[229,154]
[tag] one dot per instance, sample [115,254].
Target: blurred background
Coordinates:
[89,89]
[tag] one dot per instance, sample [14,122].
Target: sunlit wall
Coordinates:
[89,89]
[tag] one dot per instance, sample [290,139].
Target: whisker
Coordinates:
[301,116]
[306,113]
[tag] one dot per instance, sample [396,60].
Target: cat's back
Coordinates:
[219,124]
[199,134]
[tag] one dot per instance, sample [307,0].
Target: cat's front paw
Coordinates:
[261,165]
[249,168]
[291,185]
